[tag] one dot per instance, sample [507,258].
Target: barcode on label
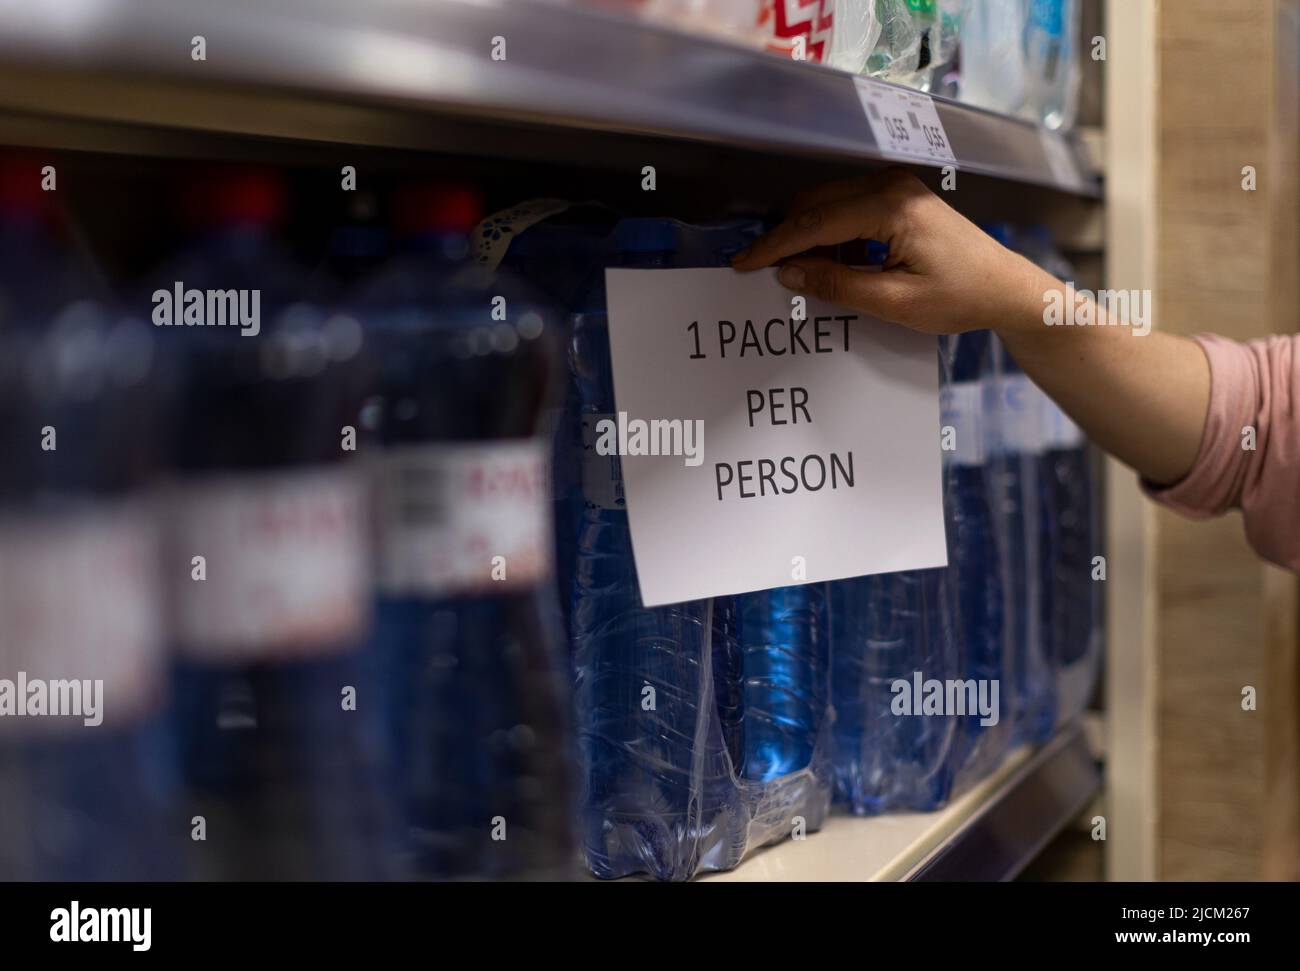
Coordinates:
[875,112]
[911,116]
[418,493]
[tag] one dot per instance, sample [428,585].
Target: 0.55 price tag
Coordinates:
[905,123]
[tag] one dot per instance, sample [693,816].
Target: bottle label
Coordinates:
[1059,431]
[463,519]
[82,643]
[1020,412]
[961,407]
[602,474]
[285,570]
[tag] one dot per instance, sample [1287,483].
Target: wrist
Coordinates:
[1028,293]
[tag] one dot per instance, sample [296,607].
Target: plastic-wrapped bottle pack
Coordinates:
[890,629]
[968,410]
[903,52]
[854,36]
[704,725]
[1026,524]
[785,672]
[993,71]
[660,793]
[1071,614]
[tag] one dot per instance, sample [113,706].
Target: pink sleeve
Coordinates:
[1252,386]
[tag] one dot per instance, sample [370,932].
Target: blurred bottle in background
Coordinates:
[854,35]
[1052,61]
[993,70]
[357,247]
[733,20]
[904,52]
[465,621]
[266,556]
[943,77]
[557,257]
[88,778]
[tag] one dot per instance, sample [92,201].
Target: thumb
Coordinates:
[881,294]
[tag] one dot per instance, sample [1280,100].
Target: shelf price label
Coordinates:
[905,123]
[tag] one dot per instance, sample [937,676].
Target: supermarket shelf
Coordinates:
[990,833]
[569,70]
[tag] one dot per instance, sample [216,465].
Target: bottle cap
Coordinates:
[437,208]
[235,196]
[877,253]
[20,186]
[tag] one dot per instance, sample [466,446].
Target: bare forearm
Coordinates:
[1143,399]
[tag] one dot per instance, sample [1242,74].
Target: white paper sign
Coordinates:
[820,437]
[904,123]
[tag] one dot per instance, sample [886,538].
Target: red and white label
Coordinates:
[80,601]
[785,20]
[462,519]
[285,569]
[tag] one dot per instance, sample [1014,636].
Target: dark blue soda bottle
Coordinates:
[88,780]
[476,684]
[266,558]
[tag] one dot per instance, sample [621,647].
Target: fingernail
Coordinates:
[792,277]
[742,255]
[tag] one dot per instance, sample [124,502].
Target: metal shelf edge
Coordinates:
[565,67]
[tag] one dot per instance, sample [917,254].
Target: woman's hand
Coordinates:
[944,274]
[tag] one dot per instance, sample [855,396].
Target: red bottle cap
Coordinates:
[437,208]
[233,196]
[20,186]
